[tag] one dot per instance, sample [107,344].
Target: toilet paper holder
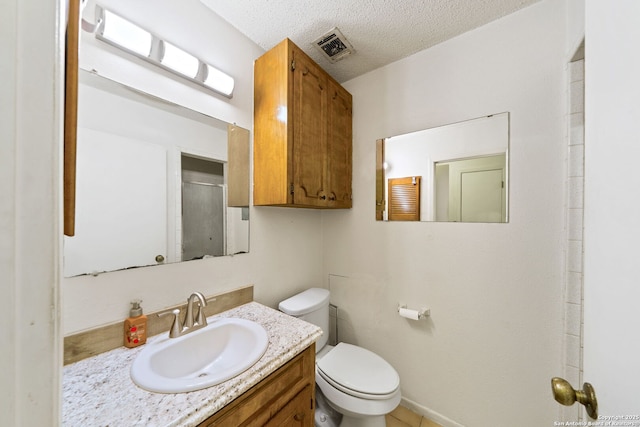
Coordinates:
[420,314]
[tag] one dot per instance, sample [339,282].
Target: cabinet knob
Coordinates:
[299,416]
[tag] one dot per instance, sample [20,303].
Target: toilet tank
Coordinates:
[312,306]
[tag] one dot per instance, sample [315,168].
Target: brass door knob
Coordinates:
[566,395]
[159,258]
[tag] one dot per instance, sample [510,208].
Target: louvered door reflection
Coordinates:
[404,199]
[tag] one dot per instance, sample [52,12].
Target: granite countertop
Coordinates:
[98,391]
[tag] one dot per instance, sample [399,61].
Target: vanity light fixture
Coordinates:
[219,81]
[125,35]
[179,61]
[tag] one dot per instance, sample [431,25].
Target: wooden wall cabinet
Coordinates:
[284,398]
[302,133]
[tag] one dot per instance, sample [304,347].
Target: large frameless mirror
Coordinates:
[156,182]
[452,173]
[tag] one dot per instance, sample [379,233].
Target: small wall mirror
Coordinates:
[453,173]
[156,182]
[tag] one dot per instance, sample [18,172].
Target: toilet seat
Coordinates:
[356,407]
[358,372]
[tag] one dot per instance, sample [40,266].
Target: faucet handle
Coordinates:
[176,328]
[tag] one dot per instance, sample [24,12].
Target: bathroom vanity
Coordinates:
[285,397]
[276,390]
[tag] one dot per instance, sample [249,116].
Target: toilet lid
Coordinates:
[355,369]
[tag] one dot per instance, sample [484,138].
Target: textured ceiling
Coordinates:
[381,31]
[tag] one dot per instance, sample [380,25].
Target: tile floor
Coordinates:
[403,417]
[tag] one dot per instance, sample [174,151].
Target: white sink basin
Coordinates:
[200,359]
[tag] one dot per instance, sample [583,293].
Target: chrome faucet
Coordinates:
[191,322]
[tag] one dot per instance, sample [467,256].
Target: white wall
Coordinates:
[285,244]
[30,195]
[575,24]
[486,356]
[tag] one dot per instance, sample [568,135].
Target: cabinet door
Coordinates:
[298,411]
[286,397]
[272,136]
[309,129]
[339,146]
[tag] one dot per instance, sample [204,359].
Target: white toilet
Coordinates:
[356,382]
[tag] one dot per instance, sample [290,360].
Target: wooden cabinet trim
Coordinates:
[71,117]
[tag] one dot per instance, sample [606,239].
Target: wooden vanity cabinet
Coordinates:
[302,132]
[284,398]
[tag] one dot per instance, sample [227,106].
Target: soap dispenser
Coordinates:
[135,326]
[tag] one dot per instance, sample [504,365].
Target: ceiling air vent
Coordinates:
[333,45]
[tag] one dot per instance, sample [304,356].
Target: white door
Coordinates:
[612,209]
[481,196]
[476,189]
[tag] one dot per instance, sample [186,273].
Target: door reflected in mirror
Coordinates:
[452,173]
[156,182]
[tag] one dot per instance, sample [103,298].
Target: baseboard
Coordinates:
[430,414]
